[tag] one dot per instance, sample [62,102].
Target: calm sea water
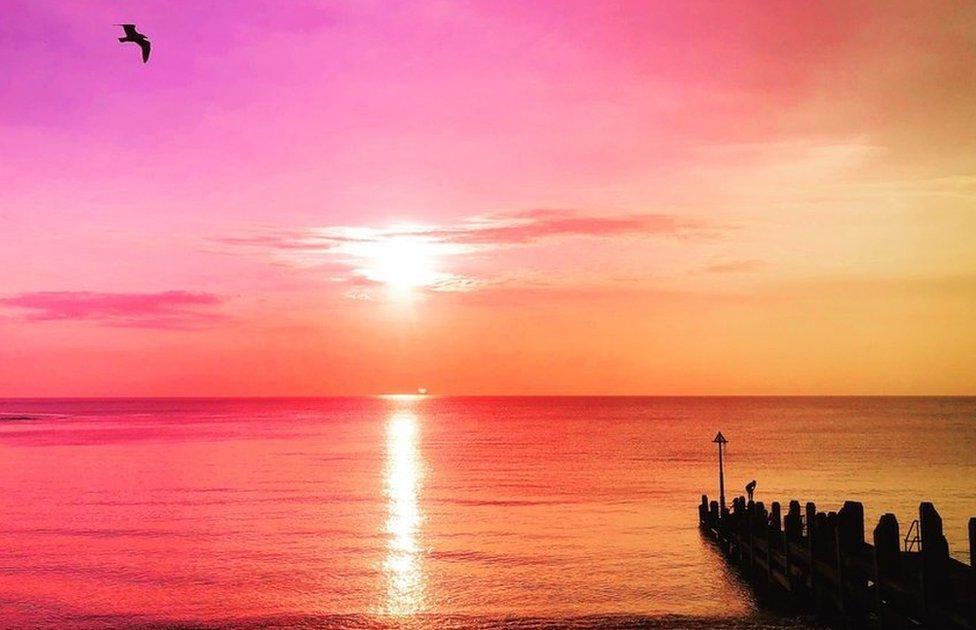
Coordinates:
[433,511]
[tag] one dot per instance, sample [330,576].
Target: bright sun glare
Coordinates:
[402,264]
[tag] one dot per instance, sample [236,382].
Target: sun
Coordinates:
[402,264]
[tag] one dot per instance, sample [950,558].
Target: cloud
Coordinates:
[165,310]
[458,284]
[365,255]
[533,225]
[736,266]
[484,231]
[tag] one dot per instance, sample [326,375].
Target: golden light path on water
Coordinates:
[404,473]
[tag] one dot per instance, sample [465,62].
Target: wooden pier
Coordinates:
[820,562]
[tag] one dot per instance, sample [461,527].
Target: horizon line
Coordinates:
[442,396]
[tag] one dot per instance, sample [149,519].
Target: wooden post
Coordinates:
[822,524]
[830,540]
[972,543]
[851,521]
[838,562]
[792,524]
[703,510]
[757,521]
[742,529]
[792,531]
[762,526]
[850,542]
[972,570]
[822,541]
[752,537]
[773,537]
[775,521]
[935,559]
[811,511]
[887,559]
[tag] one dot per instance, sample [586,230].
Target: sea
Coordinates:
[435,512]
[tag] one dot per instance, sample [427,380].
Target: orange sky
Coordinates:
[489,197]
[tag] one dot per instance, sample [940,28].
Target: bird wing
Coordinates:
[130,30]
[144,44]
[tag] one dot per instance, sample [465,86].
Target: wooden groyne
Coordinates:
[821,562]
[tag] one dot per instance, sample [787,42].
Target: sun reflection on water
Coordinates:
[404,469]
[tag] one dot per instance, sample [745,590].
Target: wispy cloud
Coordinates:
[164,310]
[532,225]
[736,266]
[357,253]
[500,229]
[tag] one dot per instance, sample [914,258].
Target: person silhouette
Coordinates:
[751,488]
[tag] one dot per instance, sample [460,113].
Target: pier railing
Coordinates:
[821,561]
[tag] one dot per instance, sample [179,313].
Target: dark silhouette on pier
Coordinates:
[821,562]
[134,36]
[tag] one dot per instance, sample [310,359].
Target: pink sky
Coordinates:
[488,197]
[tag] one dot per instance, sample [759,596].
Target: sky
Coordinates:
[498,197]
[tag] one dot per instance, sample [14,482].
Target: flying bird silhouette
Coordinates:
[134,36]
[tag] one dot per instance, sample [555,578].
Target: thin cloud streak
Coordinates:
[736,266]
[515,228]
[165,310]
[351,248]
[533,225]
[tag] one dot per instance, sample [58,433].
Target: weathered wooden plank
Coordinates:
[780,580]
[972,572]
[887,566]
[972,542]
[935,559]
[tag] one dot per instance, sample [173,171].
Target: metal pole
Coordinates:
[721,480]
[721,441]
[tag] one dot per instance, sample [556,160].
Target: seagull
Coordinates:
[132,35]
